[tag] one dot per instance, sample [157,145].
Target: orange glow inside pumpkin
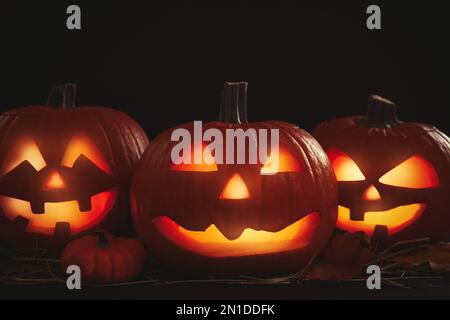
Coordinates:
[67,211]
[371,194]
[213,243]
[24,150]
[208,162]
[344,167]
[395,219]
[54,181]
[415,173]
[235,189]
[80,144]
[286,163]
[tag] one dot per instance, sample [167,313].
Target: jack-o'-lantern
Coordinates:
[393,176]
[65,170]
[228,219]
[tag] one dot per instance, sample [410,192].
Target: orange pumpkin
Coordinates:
[236,218]
[104,258]
[393,176]
[65,170]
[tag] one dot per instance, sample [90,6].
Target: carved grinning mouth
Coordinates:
[395,219]
[67,212]
[211,242]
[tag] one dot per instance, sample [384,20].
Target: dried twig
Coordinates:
[404,243]
[32,266]
[395,283]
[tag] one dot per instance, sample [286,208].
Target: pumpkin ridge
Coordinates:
[106,137]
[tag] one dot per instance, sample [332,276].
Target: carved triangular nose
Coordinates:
[235,189]
[371,193]
[54,181]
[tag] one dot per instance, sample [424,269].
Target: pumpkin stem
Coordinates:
[62,96]
[381,113]
[233,105]
[102,240]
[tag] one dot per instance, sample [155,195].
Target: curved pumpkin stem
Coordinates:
[233,105]
[62,96]
[102,240]
[381,113]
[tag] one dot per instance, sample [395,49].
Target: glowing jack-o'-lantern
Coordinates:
[65,170]
[393,176]
[236,218]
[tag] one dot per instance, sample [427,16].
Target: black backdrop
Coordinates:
[165,63]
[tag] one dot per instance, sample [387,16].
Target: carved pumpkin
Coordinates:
[236,218]
[105,258]
[393,176]
[65,170]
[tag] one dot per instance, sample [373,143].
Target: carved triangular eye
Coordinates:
[24,150]
[415,173]
[344,167]
[286,163]
[80,144]
[208,163]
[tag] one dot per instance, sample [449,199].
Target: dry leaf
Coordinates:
[343,258]
[436,256]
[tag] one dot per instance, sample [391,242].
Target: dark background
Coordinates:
[165,63]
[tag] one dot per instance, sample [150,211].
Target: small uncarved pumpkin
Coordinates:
[104,258]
